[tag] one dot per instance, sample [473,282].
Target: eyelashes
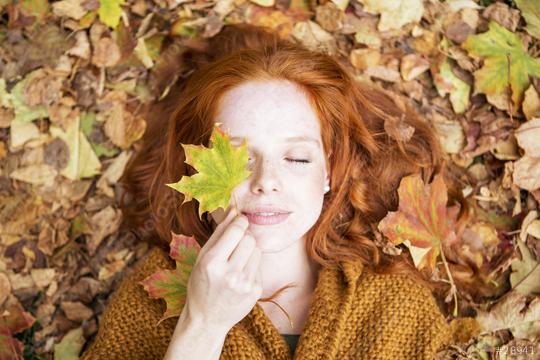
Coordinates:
[294,161]
[298,161]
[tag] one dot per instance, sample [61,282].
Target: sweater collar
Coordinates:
[330,307]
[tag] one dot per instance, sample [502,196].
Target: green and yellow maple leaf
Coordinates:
[220,169]
[171,285]
[505,61]
[423,221]
[110,12]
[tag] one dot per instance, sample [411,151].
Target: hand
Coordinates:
[226,281]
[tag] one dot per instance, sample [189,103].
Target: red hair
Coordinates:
[366,163]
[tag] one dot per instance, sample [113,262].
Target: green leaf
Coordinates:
[70,346]
[423,221]
[88,120]
[530,10]
[104,150]
[220,169]
[171,285]
[448,83]
[502,50]
[23,112]
[110,11]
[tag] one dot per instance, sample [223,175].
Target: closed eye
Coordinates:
[302,161]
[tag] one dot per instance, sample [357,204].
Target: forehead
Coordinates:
[270,109]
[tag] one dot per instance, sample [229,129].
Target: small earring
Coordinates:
[326,188]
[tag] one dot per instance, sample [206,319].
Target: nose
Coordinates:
[265,178]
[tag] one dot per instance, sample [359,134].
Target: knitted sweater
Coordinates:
[354,314]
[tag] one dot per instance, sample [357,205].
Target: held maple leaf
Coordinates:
[220,169]
[171,285]
[423,221]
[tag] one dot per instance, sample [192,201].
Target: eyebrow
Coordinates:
[292,139]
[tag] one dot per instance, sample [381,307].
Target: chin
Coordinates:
[273,244]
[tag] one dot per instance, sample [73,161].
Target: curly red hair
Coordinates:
[366,163]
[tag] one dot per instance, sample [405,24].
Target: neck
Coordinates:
[290,265]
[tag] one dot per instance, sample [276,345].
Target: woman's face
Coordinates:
[286,158]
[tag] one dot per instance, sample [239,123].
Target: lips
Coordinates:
[266,220]
[254,216]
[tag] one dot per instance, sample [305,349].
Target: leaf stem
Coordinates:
[452,283]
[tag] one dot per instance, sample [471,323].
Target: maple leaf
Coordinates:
[110,12]
[220,169]
[13,320]
[501,50]
[171,285]
[423,221]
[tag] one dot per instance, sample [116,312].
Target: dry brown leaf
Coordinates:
[531,103]
[106,53]
[527,173]
[528,135]
[76,310]
[103,223]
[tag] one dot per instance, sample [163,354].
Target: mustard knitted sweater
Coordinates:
[354,314]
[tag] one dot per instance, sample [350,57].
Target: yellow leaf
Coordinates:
[83,162]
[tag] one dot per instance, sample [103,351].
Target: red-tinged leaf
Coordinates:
[13,320]
[423,221]
[171,285]
[184,249]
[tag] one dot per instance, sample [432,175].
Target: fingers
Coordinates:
[253,265]
[230,238]
[242,252]
[218,231]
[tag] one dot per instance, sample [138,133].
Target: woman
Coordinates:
[321,158]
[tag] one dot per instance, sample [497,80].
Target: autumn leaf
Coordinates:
[530,10]
[501,50]
[110,11]
[13,320]
[171,285]
[423,221]
[220,169]
[447,82]
[83,162]
[525,276]
[512,312]
[24,112]
[394,13]
[70,346]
